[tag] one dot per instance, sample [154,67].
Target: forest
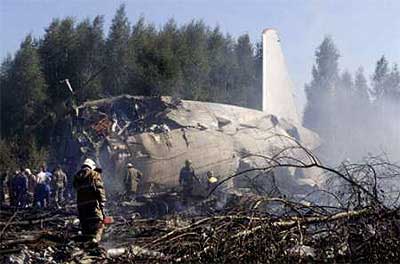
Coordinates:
[190,61]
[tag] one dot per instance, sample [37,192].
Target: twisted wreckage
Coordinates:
[159,133]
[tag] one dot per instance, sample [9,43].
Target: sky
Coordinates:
[363,30]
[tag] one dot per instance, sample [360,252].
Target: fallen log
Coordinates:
[38,221]
[307,220]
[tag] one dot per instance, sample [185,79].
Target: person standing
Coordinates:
[212,181]
[3,179]
[20,188]
[59,184]
[10,186]
[91,199]
[31,184]
[186,180]
[42,190]
[131,179]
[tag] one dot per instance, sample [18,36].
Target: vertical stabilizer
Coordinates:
[277,87]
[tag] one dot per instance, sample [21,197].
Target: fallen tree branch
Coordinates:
[307,220]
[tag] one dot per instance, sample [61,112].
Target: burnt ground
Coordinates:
[159,229]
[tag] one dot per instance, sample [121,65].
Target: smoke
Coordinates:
[356,128]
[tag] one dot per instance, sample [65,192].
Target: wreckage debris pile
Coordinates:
[302,233]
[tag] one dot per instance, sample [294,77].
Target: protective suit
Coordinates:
[186,180]
[59,184]
[131,179]
[91,200]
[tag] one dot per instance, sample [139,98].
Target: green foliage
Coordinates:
[192,61]
[117,54]
[361,86]
[380,78]
[19,152]
[7,158]
[393,84]
[90,54]
[351,118]
[23,90]
[320,92]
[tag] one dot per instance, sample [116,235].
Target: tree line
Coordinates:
[352,113]
[190,61]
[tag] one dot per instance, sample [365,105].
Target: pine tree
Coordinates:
[25,90]
[148,65]
[6,98]
[361,87]
[256,96]
[171,80]
[193,58]
[380,79]
[245,76]
[117,54]
[320,92]
[58,51]
[393,84]
[223,68]
[90,51]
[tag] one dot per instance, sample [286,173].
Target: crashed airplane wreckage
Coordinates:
[159,133]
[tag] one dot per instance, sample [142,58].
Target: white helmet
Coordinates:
[129,165]
[90,163]
[28,171]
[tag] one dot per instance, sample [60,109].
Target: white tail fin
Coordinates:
[277,87]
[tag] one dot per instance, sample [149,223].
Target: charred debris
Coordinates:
[162,132]
[274,203]
[357,220]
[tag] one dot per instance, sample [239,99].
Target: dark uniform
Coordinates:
[131,180]
[11,192]
[59,184]
[91,199]
[186,180]
[3,177]
[20,188]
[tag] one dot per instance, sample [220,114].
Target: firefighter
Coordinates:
[131,179]
[59,184]
[91,200]
[212,181]
[186,180]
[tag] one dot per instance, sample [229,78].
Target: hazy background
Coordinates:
[363,30]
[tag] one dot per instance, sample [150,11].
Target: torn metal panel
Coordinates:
[159,134]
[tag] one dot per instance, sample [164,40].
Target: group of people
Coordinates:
[28,189]
[188,181]
[46,187]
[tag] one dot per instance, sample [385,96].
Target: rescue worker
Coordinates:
[11,191]
[59,183]
[31,184]
[42,190]
[186,180]
[212,181]
[3,177]
[91,200]
[131,180]
[20,188]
